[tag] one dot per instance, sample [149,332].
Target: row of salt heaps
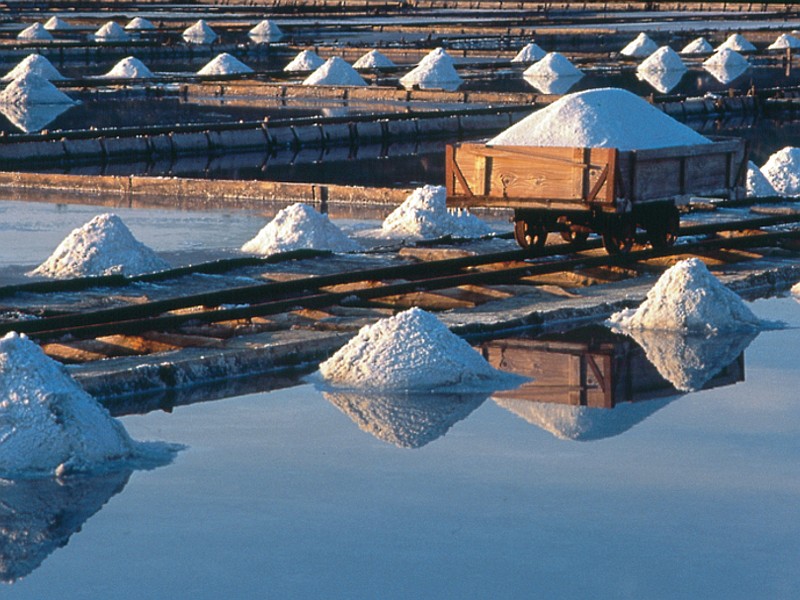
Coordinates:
[643,46]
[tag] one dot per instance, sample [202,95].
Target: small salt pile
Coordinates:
[296,227]
[266,30]
[726,65]
[782,170]
[605,117]
[307,60]
[139,24]
[553,66]
[103,246]
[529,53]
[224,64]
[199,33]
[34,63]
[737,42]
[640,47]
[373,59]
[56,23]
[783,41]
[698,46]
[663,59]
[435,70]
[129,68]
[758,186]
[412,350]
[424,215]
[687,298]
[32,89]
[335,71]
[111,32]
[34,32]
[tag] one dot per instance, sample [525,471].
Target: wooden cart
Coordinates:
[576,191]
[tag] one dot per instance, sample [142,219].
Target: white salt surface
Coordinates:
[548,85]
[698,46]
[335,71]
[129,68]
[758,186]
[199,33]
[30,89]
[553,66]
[424,215]
[737,42]
[224,64]
[663,59]
[34,32]
[529,53]
[34,63]
[266,30]
[56,23]
[435,70]
[662,81]
[687,298]
[782,171]
[606,117]
[296,227]
[103,246]
[727,58]
[374,59]
[306,60]
[139,24]
[640,47]
[111,32]
[32,117]
[412,350]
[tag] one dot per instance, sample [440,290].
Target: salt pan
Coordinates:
[30,89]
[307,60]
[299,226]
[758,186]
[103,246]
[139,24]
[34,32]
[663,59]
[698,46]
[606,117]
[784,40]
[111,32]
[224,64]
[266,30]
[56,23]
[640,47]
[129,68]
[435,70]
[199,33]
[782,170]
[34,63]
[737,42]
[554,65]
[373,59]
[688,298]
[335,71]
[529,53]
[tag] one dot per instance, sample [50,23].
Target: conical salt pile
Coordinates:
[435,70]
[758,186]
[224,64]
[737,42]
[129,68]
[784,41]
[266,30]
[553,66]
[34,32]
[111,32]
[698,46]
[199,33]
[56,23]
[34,63]
[373,60]
[307,60]
[726,65]
[335,71]
[641,46]
[529,53]
[139,24]
[782,170]
[30,89]
[663,59]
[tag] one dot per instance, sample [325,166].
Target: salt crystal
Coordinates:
[129,68]
[640,47]
[139,24]
[199,33]
[698,46]
[436,70]
[529,53]
[56,23]
[663,59]
[335,71]
[307,60]
[224,64]
[30,89]
[737,42]
[758,186]
[34,32]
[265,30]
[34,63]
[784,41]
[782,170]
[111,32]
[552,66]
[373,60]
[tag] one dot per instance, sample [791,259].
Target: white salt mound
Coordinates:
[424,215]
[224,64]
[688,298]
[783,41]
[640,47]
[758,186]
[139,24]
[129,68]
[31,89]
[606,118]
[34,63]
[727,58]
[103,246]
[199,33]
[436,69]
[663,59]
[782,170]
[412,350]
[111,32]
[373,59]
[529,53]
[296,227]
[34,32]
[56,23]
[266,29]
[335,71]
[552,66]
[698,46]
[737,42]
[307,60]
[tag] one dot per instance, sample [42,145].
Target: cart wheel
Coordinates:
[619,236]
[576,237]
[664,233]
[530,235]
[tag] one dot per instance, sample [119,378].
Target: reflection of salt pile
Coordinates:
[299,226]
[412,350]
[698,46]
[435,70]
[103,246]
[406,420]
[662,81]
[784,41]
[529,53]
[606,117]
[663,59]
[640,47]
[558,86]
[307,60]
[34,63]
[139,24]
[111,32]
[373,59]
[266,30]
[32,89]
[129,68]
[737,42]
[335,71]
[553,66]
[56,23]
[688,298]
[758,186]
[32,117]
[424,215]
[688,362]
[224,64]
[199,33]
[782,170]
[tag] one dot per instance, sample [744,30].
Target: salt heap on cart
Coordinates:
[335,71]
[224,64]
[307,60]
[640,47]
[374,59]
[129,67]
[436,70]
[34,63]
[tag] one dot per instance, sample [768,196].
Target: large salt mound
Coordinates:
[373,59]
[103,246]
[435,70]
[663,59]
[139,24]
[199,33]
[688,298]
[529,53]
[606,117]
[758,186]
[307,60]
[129,68]
[412,350]
[111,32]
[34,63]
[56,23]
[640,47]
[32,89]
[424,215]
[265,30]
[698,46]
[335,71]
[34,32]
[554,65]
[737,42]
[299,226]
[783,41]
[782,170]
[224,64]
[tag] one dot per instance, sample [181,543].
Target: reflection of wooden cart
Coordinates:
[576,191]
